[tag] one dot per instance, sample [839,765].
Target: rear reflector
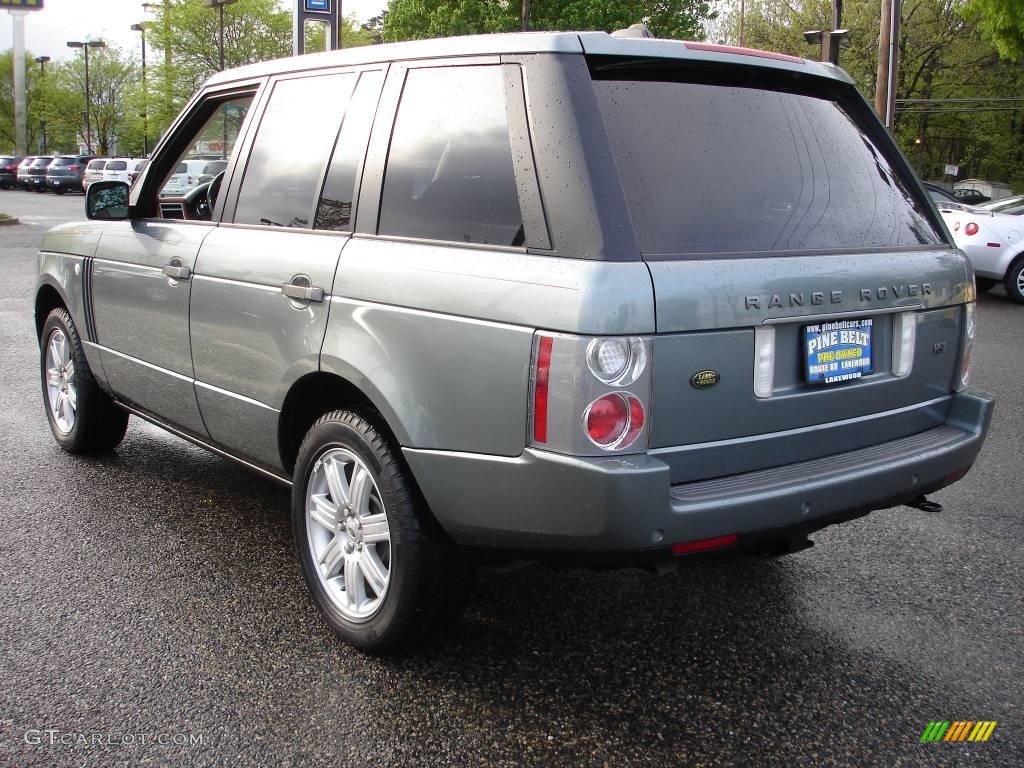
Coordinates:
[703,545]
[540,390]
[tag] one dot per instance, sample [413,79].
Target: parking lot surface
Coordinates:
[152,612]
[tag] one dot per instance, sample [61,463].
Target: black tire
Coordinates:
[99,424]
[429,577]
[1014,280]
[985,284]
[59,191]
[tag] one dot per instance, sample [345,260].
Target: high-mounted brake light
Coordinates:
[971,228]
[540,389]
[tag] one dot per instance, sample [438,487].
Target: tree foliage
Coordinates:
[941,56]
[1002,21]
[419,19]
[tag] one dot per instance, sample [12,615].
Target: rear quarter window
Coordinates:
[450,174]
[712,167]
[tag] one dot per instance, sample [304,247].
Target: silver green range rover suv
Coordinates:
[574,297]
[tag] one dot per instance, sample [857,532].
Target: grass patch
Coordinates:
[4,216]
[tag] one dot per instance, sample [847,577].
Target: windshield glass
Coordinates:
[722,166]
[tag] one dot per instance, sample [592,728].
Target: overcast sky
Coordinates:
[47,31]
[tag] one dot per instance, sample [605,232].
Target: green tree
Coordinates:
[941,56]
[1002,21]
[35,97]
[254,30]
[419,19]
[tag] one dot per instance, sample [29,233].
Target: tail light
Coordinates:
[764,361]
[590,396]
[970,329]
[971,228]
[73,168]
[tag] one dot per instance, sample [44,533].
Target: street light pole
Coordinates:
[85,46]
[141,29]
[219,5]
[42,62]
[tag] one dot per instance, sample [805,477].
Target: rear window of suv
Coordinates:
[61,161]
[116,165]
[735,162]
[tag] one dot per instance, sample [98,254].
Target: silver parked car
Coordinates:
[574,297]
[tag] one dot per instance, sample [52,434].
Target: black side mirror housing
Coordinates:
[107,200]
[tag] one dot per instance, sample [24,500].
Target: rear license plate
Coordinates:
[837,351]
[56,183]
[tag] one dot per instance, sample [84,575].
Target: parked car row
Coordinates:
[65,173]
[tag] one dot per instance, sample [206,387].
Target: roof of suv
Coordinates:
[597,43]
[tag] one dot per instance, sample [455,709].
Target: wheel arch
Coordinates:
[48,298]
[320,392]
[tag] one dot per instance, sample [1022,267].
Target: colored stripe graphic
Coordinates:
[959,730]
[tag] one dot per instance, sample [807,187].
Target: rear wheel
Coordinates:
[59,191]
[379,568]
[82,416]
[1014,281]
[985,284]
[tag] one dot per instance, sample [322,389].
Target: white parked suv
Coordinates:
[94,171]
[117,169]
[185,177]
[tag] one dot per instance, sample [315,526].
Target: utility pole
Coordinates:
[526,16]
[743,14]
[888,50]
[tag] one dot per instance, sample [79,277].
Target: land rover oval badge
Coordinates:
[705,379]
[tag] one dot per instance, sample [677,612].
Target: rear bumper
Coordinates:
[60,182]
[544,502]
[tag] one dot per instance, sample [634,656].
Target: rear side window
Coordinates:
[449,172]
[292,147]
[720,167]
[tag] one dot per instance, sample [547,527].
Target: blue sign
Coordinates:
[317,6]
[838,351]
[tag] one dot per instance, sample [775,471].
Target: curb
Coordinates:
[8,222]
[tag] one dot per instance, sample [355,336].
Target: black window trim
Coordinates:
[237,166]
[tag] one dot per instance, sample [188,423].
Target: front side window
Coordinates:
[292,146]
[449,172]
[216,138]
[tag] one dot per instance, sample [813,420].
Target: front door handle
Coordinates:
[177,272]
[301,292]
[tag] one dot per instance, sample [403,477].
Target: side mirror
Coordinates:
[107,200]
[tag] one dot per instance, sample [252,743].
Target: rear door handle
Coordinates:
[302,292]
[177,272]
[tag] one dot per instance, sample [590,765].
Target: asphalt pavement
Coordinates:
[152,612]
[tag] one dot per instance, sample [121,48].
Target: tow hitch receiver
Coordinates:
[924,505]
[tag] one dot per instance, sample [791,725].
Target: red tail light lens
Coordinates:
[971,228]
[607,418]
[615,420]
[540,389]
[73,168]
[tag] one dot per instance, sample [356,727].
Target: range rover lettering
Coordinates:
[580,298]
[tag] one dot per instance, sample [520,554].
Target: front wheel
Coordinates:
[379,568]
[82,416]
[1014,281]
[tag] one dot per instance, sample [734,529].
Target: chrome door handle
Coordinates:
[177,272]
[302,292]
